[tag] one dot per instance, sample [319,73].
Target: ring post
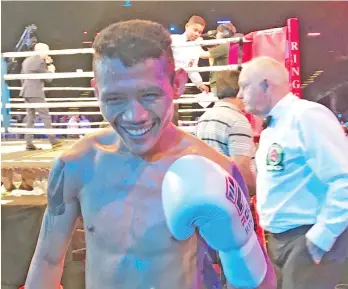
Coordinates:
[293,59]
[5,97]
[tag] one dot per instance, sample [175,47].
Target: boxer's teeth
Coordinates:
[138,132]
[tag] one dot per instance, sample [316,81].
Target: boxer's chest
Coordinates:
[122,207]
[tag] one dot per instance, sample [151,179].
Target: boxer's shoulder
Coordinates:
[89,145]
[196,146]
[81,157]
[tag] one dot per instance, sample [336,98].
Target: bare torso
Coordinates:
[128,243]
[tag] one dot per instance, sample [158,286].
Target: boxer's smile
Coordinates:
[138,130]
[138,100]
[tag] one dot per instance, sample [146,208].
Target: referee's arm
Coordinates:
[326,150]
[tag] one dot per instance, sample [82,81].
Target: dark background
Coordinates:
[62,24]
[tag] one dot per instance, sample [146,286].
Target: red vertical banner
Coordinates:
[292,60]
[234,52]
[271,43]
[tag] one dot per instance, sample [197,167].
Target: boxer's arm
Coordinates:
[244,165]
[57,227]
[270,280]
[213,202]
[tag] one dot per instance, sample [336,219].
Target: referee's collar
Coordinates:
[227,105]
[283,106]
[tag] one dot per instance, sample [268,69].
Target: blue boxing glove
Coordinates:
[198,193]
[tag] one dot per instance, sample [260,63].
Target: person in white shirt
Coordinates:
[302,180]
[189,56]
[84,122]
[73,124]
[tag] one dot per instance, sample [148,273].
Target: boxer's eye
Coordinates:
[150,96]
[115,100]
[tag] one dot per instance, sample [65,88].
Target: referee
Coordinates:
[302,180]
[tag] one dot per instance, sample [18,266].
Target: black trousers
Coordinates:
[294,266]
[44,116]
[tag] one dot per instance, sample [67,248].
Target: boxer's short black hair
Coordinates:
[227,84]
[133,42]
[195,19]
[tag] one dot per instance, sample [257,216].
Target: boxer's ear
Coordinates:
[96,92]
[94,85]
[179,82]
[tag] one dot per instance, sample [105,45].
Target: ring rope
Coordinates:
[63,124]
[89,103]
[49,52]
[57,88]
[181,122]
[81,88]
[50,99]
[59,113]
[53,104]
[91,50]
[184,122]
[90,74]
[59,75]
[94,103]
[67,131]
[96,112]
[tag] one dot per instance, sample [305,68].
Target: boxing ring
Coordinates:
[280,43]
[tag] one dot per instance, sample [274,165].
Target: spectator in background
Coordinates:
[63,120]
[73,124]
[32,92]
[218,55]
[225,128]
[84,123]
[189,56]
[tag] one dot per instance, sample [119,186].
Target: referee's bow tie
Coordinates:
[266,122]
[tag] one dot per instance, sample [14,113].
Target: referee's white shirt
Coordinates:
[310,184]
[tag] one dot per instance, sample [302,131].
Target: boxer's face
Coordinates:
[253,93]
[138,101]
[193,31]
